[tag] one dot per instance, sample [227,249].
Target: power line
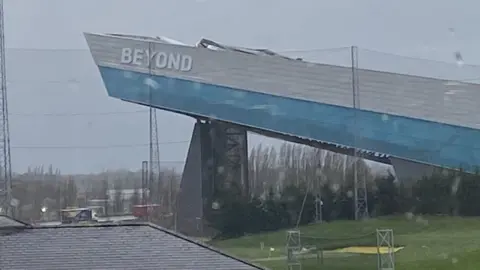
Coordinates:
[345,48]
[63,50]
[335,49]
[172,161]
[47,50]
[79,113]
[31,147]
[77,80]
[417,58]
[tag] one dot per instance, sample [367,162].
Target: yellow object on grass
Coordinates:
[366,250]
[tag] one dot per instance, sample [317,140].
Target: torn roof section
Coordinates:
[210,44]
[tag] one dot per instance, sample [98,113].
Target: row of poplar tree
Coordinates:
[284,182]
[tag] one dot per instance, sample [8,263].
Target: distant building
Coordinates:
[141,246]
[126,196]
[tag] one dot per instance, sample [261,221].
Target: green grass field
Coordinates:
[443,243]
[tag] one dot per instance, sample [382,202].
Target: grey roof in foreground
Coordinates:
[139,246]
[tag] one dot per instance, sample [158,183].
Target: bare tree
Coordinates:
[135,199]
[118,198]
[105,195]
[70,193]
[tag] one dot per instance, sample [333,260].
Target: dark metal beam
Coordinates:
[346,150]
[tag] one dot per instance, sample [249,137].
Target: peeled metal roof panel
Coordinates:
[210,44]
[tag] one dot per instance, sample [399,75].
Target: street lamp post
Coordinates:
[43,210]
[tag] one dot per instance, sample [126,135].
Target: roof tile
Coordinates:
[127,246]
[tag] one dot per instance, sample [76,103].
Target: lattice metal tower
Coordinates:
[6,168]
[154,180]
[234,146]
[231,157]
[155,184]
[145,180]
[292,249]
[385,250]
[360,184]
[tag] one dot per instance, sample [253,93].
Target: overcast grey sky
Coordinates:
[51,81]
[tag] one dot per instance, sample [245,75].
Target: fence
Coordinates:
[403,105]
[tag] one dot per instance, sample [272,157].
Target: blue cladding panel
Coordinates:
[403,137]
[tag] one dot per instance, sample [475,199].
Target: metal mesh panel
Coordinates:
[419,110]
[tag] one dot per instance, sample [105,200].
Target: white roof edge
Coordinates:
[157,39]
[213,45]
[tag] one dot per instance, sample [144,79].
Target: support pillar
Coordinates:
[190,197]
[217,159]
